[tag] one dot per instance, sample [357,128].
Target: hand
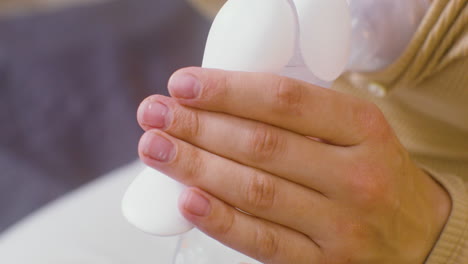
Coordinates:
[320,175]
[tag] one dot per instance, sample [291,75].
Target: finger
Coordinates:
[291,104]
[272,149]
[262,240]
[253,191]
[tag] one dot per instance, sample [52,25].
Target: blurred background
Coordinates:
[72,73]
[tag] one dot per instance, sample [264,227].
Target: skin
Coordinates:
[320,174]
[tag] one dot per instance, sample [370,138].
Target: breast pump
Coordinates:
[312,40]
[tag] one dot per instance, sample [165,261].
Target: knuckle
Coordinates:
[366,183]
[288,96]
[193,165]
[370,119]
[216,86]
[260,191]
[188,123]
[264,143]
[268,243]
[225,226]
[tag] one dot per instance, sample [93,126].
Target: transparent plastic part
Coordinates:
[195,247]
[381,30]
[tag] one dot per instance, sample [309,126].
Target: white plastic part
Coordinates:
[251,35]
[151,204]
[325,33]
[254,36]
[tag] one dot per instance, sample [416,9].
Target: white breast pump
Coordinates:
[305,39]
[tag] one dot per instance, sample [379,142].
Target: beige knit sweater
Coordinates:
[424,95]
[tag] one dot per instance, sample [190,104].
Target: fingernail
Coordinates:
[184,86]
[157,147]
[194,203]
[155,114]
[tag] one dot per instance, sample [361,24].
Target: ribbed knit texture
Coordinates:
[426,103]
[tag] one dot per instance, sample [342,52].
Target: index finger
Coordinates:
[280,101]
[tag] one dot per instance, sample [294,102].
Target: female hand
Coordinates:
[319,176]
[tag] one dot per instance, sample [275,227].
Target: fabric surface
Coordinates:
[424,96]
[70,84]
